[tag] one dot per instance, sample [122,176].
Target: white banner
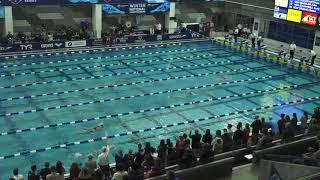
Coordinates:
[81,43]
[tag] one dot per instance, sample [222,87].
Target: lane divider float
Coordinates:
[150,109]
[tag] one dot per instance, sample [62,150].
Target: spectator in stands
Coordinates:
[119,157]
[45,171]
[214,141]
[158,28]
[256,126]
[313,127]
[16,175]
[304,122]
[186,140]
[120,172]
[60,168]
[149,149]
[50,37]
[218,147]
[206,153]
[10,38]
[32,174]
[229,128]
[287,119]
[281,123]
[264,124]
[180,146]
[162,151]
[293,47]
[103,161]
[148,161]
[139,155]
[313,56]
[85,174]
[288,132]
[246,134]
[227,140]
[265,139]
[90,164]
[238,137]
[316,113]
[22,37]
[294,122]
[207,137]
[54,175]
[74,171]
[188,159]
[128,159]
[196,138]
[172,155]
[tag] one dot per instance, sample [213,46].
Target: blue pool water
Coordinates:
[47,101]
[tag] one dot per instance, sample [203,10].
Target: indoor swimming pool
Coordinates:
[140,94]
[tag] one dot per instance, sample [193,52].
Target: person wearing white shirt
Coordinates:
[16,175]
[259,41]
[240,29]
[103,161]
[50,37]
[236,33]
[253,40]
[313,56]
[158,28]
[293,47]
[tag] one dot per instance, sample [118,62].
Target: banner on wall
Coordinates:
[45,46]
[57,2]
[136,8]
[153,38]
[309,18]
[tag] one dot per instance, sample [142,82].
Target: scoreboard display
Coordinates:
[299,11]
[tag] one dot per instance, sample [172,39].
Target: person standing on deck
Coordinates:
[293,47]
[313,56]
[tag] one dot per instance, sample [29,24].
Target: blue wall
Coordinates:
[287,33]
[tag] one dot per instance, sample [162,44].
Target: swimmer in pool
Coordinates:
[188,94]
[92,130]
[224,78]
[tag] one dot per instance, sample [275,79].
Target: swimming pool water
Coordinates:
[52,99]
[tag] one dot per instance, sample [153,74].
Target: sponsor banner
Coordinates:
[282,3]
[152,38]
[53,45]
[4,49]
[80,43]
[42,46]
[280,13]
[305,5]
[136,8]
[294,15]
[46,2]
[309,18]
[57,2]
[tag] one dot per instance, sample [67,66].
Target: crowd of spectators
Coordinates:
[42,34]
[188,151]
